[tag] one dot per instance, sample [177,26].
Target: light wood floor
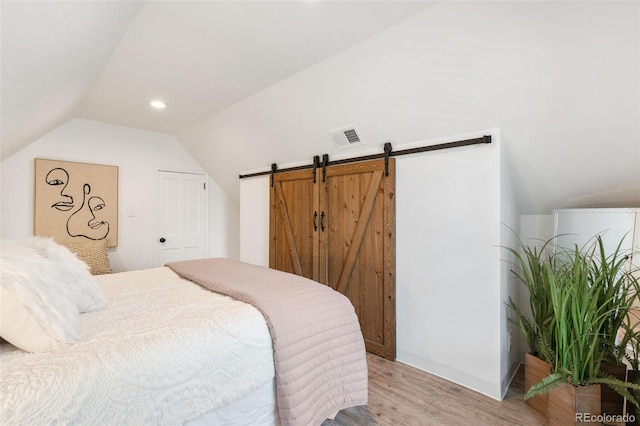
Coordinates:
[401,395]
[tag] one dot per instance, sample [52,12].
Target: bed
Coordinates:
[210,341]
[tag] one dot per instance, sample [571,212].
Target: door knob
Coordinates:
[162,240]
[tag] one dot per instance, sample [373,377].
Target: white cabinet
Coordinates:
[580,226]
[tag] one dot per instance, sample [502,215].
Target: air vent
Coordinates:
[346,137]
[352,136]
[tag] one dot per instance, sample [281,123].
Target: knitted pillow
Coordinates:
[94,254]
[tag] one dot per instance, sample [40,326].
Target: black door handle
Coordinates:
[162,240]
[322,221]
[315,216]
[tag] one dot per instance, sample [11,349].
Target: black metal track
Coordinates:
[484,139]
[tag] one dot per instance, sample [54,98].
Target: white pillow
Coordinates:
[35,315]
[76,278]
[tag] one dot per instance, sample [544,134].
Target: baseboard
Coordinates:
[492,390]
[509,377]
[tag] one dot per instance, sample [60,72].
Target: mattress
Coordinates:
[165,351]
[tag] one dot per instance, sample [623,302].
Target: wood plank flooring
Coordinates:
[401,395]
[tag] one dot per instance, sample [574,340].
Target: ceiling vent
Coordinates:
[347,137]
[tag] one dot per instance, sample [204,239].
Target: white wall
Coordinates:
[510,339]
[139,155]
[560,79]
[536,229]
[449,315]
[254,220]
[224,223]
[448,264]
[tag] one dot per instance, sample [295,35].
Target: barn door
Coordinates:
[340,231]
[292,239]
[357,246]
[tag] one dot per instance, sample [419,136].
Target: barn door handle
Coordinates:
[315,216]
[322,221]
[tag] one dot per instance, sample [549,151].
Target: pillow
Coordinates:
[75,279]
[35,316]
[93,253]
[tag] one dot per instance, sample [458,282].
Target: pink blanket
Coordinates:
[319,351]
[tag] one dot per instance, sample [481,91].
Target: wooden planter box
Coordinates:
[535,370]
[612,402]
[570,405]
[633,376]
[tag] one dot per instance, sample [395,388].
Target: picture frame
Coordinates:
[76,202]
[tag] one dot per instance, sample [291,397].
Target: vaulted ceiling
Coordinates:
[106,60]
[560,79]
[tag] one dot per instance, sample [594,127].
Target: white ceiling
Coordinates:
[105,60]
[52,53]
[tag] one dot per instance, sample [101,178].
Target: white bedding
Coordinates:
[259,408]
[163,352]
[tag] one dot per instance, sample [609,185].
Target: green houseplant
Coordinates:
[618,291]
[586,307]
[536,327]
[632,355]
[633,345]
[531,264]
[579,300]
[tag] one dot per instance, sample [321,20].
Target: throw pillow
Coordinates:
[35,316]
[93,253]
[75,278]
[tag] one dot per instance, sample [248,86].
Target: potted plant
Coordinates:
[536,327]
[617,293]
[580,318]
[632,355]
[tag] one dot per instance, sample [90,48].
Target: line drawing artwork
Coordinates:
[82,222]
[81,201]
[57,177]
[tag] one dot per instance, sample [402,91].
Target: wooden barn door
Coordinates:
[340,231]
[292,240]
[357,246]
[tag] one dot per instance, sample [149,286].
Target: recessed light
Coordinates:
[158,104]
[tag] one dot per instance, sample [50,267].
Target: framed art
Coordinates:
[75,202]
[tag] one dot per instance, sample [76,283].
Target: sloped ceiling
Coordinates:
[201,57]
[560,79]
[105,60]
[248,83]
[52,53]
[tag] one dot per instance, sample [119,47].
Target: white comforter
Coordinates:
[164,351]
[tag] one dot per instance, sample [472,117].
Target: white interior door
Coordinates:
[182,221]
